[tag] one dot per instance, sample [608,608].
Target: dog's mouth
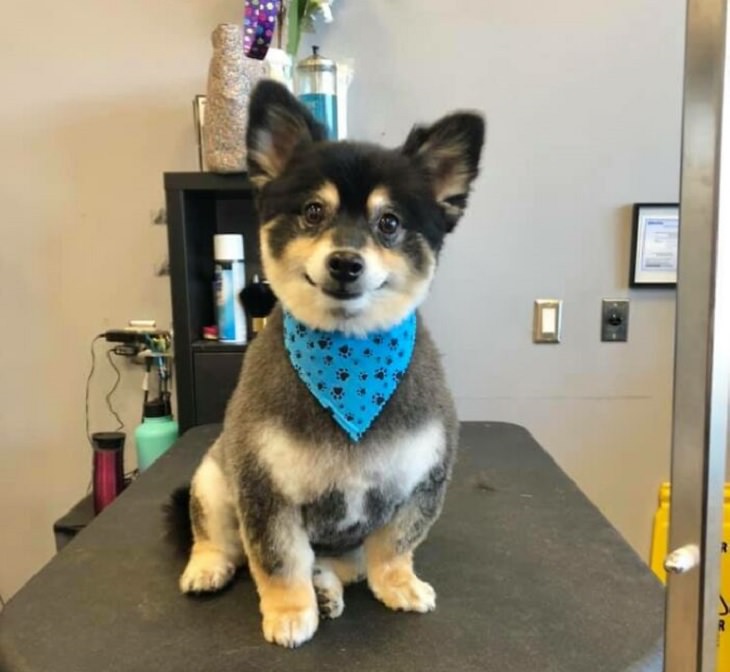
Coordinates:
[340,293]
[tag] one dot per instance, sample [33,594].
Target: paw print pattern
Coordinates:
[352,377]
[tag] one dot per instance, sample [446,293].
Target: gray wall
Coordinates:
[583,101]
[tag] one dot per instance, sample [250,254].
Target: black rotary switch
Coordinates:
[614,320]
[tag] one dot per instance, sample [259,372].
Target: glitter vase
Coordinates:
[230,80]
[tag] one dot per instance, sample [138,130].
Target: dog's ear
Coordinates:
[449,152]
[277,124]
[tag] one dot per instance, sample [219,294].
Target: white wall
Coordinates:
[583,101]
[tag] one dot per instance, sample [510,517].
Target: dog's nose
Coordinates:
[345,266]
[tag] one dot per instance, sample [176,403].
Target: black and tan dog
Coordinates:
[350,238]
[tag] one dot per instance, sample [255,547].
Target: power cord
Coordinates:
[88,386]
[108,398]
[120,422]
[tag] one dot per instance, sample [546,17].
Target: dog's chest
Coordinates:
[344,493]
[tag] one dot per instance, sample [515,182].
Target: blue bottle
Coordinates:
[316,87]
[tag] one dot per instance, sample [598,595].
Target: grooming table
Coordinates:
[530,578]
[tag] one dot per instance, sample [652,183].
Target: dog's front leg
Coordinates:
[389,550]
[281,563]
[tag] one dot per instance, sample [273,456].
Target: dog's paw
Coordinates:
[206,571]
[404,593]
[329,591]
[290,627]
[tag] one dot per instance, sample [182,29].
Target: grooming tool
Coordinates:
[259,300]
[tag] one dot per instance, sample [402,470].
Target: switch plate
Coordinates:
[547,320]
[615,320]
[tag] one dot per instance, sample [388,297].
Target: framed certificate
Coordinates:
[654,245]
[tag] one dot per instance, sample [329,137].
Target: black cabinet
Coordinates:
[199,205]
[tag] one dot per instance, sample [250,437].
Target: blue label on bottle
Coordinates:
[226,322]
[229,281]
[324,108]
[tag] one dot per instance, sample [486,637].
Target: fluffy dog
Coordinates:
[339,439]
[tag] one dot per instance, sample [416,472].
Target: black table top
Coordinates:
[529,576]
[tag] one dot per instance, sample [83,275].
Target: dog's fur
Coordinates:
[283,488]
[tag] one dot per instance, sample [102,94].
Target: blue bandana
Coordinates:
[353,378]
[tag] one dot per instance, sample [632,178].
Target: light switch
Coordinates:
[547,320]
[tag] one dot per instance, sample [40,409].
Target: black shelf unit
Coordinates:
[199,205]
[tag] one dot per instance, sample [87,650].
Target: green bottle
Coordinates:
[156,434]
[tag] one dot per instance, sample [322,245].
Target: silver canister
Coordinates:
[315,85]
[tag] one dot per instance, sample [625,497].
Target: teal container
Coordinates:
[316,87]
[156,434]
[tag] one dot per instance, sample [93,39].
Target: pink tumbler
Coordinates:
[108,467]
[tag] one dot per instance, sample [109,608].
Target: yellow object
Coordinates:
[659,543]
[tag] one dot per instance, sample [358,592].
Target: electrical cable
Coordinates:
[2,602]
[120,422]
[88,386]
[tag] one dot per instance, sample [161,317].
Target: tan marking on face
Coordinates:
[378,201]
[380,307]
[328,195]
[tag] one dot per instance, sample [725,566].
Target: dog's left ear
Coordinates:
[449,151]
[278,124]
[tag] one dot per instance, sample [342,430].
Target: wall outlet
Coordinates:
[615,320]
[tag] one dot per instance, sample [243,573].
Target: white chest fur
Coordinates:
[304,473]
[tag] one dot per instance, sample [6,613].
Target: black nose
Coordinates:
[345,266]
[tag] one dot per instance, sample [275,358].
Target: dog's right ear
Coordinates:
[277,124]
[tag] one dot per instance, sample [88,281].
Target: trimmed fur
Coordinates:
[284,486]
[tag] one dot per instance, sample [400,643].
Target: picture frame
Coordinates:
[199,103]
[654,245]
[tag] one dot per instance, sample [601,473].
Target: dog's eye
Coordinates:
[313,213]
[388,224]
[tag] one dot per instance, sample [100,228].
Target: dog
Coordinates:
[297,486]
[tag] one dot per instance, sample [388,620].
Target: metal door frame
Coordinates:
[702,347]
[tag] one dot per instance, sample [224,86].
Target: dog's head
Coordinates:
[351,232]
